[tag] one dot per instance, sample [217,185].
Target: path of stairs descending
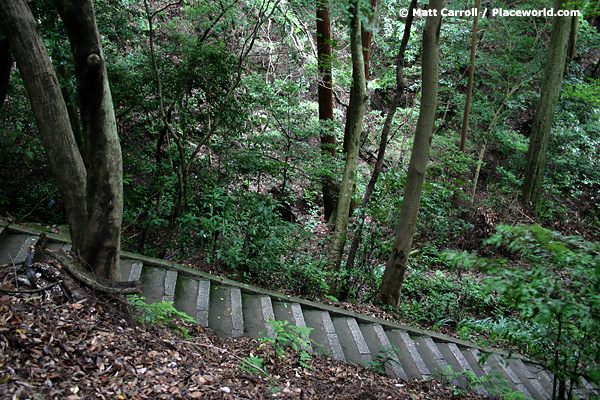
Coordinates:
[234,309]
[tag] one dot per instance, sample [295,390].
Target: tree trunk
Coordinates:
[92,196]
[354,120]
[49,109]
[104,192]
[465,124]
[384,135]
[325,94]
[393,277]
[544,114]
[6,63]
[366,38]
[572,44]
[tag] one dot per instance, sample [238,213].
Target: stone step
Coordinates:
[381,349]
[170,285]
[533,381]
[351,339]
[323,333]
[497,377]
[508,367]
[15,248]
[158,285]
[192,297]
[409,356]
[501,373]
[131,270]
[225,315]
[528,379]
[433,358]
[452,356]
[469,358]
[585,391]
[258,315]
[59,245]
[292,313]
[465,366]
[461,362]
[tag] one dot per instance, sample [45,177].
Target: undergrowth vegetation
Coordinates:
[552,282]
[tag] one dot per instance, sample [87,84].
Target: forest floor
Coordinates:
[94,349]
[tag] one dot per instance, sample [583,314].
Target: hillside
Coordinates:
[92,349]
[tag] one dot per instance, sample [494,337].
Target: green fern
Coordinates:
[287,335]
[163,313]
[384,357]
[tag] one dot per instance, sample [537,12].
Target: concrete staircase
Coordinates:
[234,309]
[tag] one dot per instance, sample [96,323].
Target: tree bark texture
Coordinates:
[354,121]
[325,94]
[91,190]
[393,277]
[544,114]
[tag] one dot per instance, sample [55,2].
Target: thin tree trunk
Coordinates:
[393,277]
[354,121]
[572,44]
[478,168]
[544,114]
[465,123]
[325,93]
[384,136]
[366,38]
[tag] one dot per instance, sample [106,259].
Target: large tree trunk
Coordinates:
[48,107]
[393,277]
[325,93]
[544,114]
[92,193]
[354,121]
[104,192]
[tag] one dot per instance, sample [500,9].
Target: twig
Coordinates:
[525,215]
[212,346]
[30,291]
[36,206]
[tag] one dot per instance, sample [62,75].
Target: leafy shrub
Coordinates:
[295,337]
[437,299]
[553,283]
[162,313]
